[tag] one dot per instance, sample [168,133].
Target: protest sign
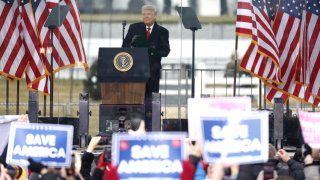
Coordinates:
[49,144]
[235,140]
[5,124]
[153,155]
[310,127]
[9,118]
[210,106]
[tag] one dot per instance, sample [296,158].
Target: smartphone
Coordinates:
[268,171]
[107,154]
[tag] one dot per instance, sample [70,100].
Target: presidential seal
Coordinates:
[123,61]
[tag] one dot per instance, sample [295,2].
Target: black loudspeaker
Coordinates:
[64,120]
[84,114]
[278,123]
[292,135]
[83,119]
[175,125]
[117,118]
[156,112]
[33,106]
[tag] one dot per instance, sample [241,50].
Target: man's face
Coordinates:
[148,17]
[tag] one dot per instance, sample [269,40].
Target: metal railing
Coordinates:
[175,89]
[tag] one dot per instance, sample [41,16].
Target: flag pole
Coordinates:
[54,20]
[235,67]
[18,97]
[7,97]
[51,72]
[264,96]
[44,105]
[260,94]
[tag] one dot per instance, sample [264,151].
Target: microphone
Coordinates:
[135,123]
[124,23]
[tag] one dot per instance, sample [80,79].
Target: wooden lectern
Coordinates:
[123,73]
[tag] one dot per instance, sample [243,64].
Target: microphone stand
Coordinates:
[54,20]
[51,28]
[124,23]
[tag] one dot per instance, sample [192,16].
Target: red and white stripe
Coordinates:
[313,51]
[35,70]
[52,3]
[245,25]
[43,85]
[298,91]
[287,30]
[256,24]
[302,63]
[266,40]
[259,65]
[68,50]
[12,50]
[67,40]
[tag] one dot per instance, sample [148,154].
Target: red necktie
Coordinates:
[148,32]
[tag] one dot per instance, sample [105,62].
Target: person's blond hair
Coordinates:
[272,152]
[149,7]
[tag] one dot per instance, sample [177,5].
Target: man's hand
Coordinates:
[195,149]
[23,118]
[93,143]
[3,173]
[283,155]
[216,171]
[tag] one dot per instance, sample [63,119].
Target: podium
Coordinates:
[122,74]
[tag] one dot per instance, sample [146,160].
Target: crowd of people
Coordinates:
[303,165]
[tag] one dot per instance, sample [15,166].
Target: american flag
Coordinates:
[287,28]
[36,69]
[245,24]
[272,7]
[259,65]
[266,40]
[24,39]
[262,56]
[311,46]
[42,85]
[12,51]
[302,61]
[68,50]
